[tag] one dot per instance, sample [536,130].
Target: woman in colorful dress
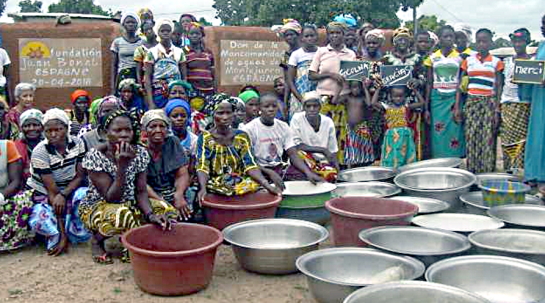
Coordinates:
[8,129]
[164,63]
[24,97]
[515,111]
[15,207]
[446,134]
[534,163]
[290,32]
[298,65]
[79,115]
[123,48]
[482,108]
[225,163]
[32,129]
[141,51]
[118,199]
[325,68]
[200,63]
[56,176]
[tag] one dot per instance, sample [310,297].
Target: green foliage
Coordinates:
[427,23]
[77,7]
[382,13]
[2,6]
[29,6]
[204,22]
[502,42]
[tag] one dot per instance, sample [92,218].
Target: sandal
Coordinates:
[103,259]
[125,257]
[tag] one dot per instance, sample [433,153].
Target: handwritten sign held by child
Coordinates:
[396,75]
[354,70]
[529,71]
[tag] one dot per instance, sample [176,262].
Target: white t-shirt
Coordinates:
[303,132]
[269,142]
[299,56]
[4,61]
[510,89]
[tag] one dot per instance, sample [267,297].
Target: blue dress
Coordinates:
[534,165]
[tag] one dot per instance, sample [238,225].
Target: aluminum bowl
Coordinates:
[366,189]
[271,246]
[439,162]
[411,292]
[520,215]
[473,202]
[426,245]
[366,174]
[498,279]
[464,223]
[334,273]
[445,184]
[516,243]
[425,205]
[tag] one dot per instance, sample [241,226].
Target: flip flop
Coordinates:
[103,259]
[125,257]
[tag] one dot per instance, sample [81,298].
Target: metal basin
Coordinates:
[366,189]
[413,292]
[439,162]
[271,246]
[365,174]
[516,243]
[426,245]
[445,184]
[425,205]
[465,223]
[334,273]
[498,279]
[520,215]
[474,204]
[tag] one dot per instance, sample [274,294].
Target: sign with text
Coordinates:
[61,63]
[354,70]
[256,62]
[396,74]
[529,71]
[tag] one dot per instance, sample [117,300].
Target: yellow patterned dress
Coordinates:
[398,147]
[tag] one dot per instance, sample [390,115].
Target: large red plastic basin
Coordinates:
[222,211]
[175,262]
[350,215]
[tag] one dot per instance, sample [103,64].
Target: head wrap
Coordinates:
[288,25]
[80,93]
[465,29]
[347,19]
[312,95]
[402,32]
[186,85]
[521,33]
[218,99]
[93,111]
[248,95]
[340,25]
[193,19]
[366,25]
[57,114]
[162,22]
[144,11]
[128,82]
[152,115]
[240,102]
[377,33]
[130,14]
[198,26]
[22,87]
[108,100]
[132,115]
[197,103]
[31,114]
[175,103]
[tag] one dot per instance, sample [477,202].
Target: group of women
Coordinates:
[151,155]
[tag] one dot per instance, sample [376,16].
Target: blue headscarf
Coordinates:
[174,103]
[347,19]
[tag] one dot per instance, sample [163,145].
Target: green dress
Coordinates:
[398,147]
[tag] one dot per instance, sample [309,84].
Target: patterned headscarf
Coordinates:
[347,19]
[107,100]
[123,113]
[377,33]
[31,114]
[130,14]
[152,115]
[289,25]
[186,85]
[198,26]
[340,25]
[93,111]
[162,22]
[248,95]
[129,82]
[216,100]
[175,103]
[80,93]
[144,11]
[402,32]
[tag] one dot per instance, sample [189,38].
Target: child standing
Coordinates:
[398,147]
[359,149]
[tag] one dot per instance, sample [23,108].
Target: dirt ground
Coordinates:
[30,275]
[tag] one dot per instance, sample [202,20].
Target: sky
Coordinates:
[501,16]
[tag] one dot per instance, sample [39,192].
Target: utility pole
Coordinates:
[415,22]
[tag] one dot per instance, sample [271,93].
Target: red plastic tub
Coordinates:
[350,215]
[222,211]
[175,262]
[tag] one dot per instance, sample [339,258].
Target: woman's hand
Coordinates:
[273,189]
[124,154]
[314,178]
[458,117]
[201,194]
[59,203]
[427,117]
[181,205]
[160,220]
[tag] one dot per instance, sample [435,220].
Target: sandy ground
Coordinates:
[29,275]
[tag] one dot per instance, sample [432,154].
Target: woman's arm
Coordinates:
[256,174]
[202,177]
[148,76]
[429,86]
[152,194]
[183,70]
[115,62]
[292,73]
[314,76]
[300,165]
[76,182]
[15,170]
[142,198]
[139,67]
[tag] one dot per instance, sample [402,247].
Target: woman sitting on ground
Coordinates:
[131,95]
[179,113]
[98,135]
[117,199]
[32,129]
[24,98]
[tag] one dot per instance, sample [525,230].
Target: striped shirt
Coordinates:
[125,52]
[482,74]
[47,160]
[199,70]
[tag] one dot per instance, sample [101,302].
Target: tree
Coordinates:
[2,6]
[204,22]
[427,23]
[77,7]
[502,42]
[382,13]
[29,6]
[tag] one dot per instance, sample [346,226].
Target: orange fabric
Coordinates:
[80,93]
[13,153]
